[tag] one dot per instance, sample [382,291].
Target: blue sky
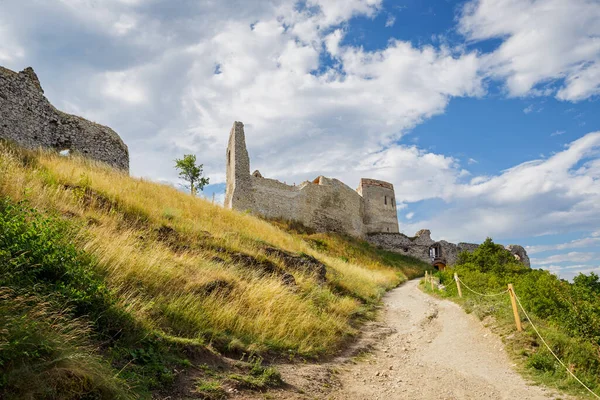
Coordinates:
[484,114]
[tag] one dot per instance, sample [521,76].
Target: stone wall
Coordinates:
[326,205]
[419,245]
[28,119]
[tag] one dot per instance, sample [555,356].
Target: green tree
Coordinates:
[191,172]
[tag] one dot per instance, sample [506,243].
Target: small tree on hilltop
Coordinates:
[192,173]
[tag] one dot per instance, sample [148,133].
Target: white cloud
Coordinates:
[543,41]
[125,24]
[390,21]
[123,86]
[170,80]
[10,50]
[410,215]
[573,244]
[334,12]
[571,271]
[575,257]
[556,195]
[558,133]
[581,83]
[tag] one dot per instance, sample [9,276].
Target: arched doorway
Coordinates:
[439,265]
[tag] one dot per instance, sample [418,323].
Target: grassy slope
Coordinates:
[155,275]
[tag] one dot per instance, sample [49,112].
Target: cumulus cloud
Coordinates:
[580,257]
[573,244]
[556,195]
[570,271]
[543,42]
[263,67]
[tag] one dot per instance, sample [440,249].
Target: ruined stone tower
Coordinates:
[380,206]
[238,193]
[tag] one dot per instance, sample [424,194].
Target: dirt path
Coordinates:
[425,349]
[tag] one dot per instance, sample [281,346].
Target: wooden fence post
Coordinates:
[458,285]
[513,301]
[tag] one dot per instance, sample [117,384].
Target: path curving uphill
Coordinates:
[436,352]
[425,348]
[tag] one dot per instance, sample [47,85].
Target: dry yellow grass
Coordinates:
[158,249]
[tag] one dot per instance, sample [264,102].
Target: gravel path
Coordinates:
[424,348]
[436,352]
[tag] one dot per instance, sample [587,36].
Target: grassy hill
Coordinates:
[114,287]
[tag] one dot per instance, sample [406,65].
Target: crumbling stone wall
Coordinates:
[28,119]
[326,205]
[238,192]
[419,246]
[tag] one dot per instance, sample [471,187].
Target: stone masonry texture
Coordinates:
[419,247]
[28,119]
[325,204]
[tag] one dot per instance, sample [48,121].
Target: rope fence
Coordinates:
[550,350]
[482,294]
[515,301]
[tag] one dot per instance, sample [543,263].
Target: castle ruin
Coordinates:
[28,119]
[325,204]
[328,205]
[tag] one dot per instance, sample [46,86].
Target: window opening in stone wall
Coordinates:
[435,251]
[393,203]
[385,200]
